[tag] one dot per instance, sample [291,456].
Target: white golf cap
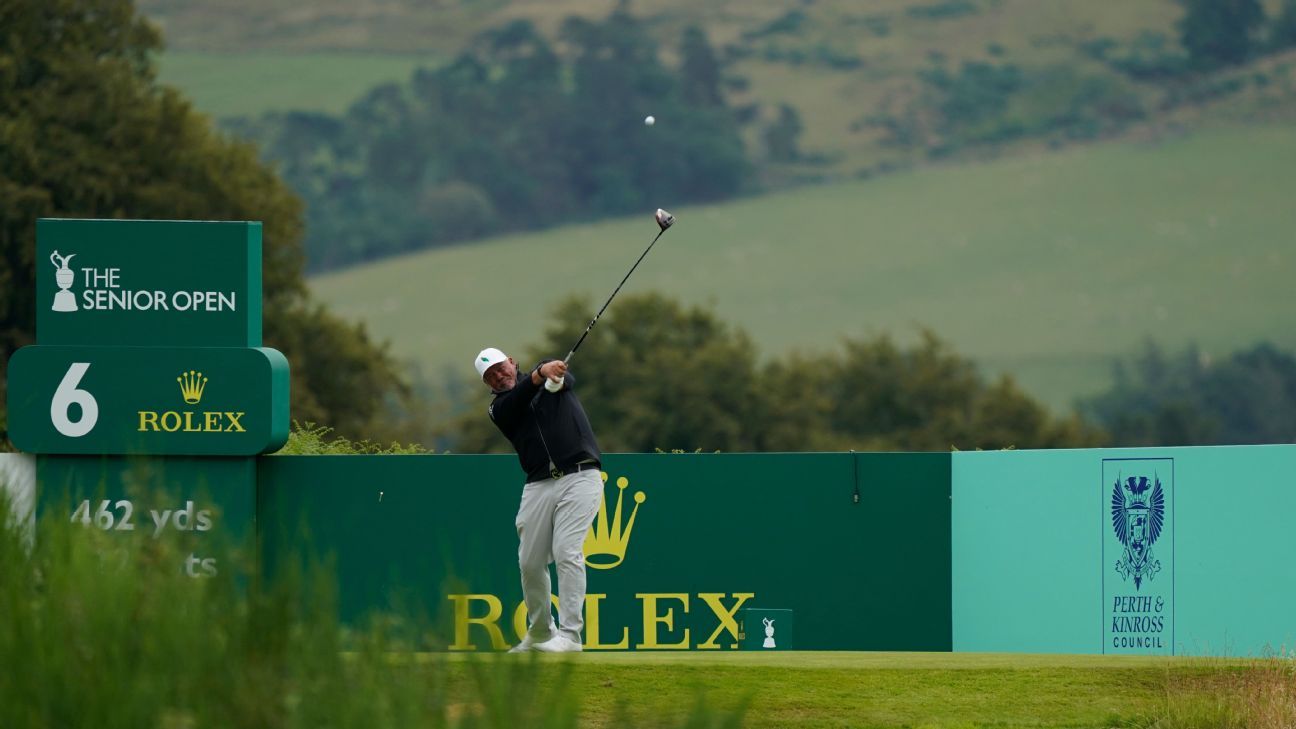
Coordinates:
[486,358]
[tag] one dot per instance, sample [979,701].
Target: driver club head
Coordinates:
[664,219]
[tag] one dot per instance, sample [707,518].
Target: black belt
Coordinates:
[575,468]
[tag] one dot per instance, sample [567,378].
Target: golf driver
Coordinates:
[664,221]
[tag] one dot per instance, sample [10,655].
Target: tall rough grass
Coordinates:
[1256,694]
[104,630]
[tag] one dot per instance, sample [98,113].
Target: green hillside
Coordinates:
[1044,266]
[408,26]
[236,84]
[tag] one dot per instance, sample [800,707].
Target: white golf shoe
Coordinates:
[558,644]
[525,646]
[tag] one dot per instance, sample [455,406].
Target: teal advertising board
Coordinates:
[856,545]
[1183,551]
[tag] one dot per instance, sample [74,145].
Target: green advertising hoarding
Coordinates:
[156,400]
[148,282]
[857,545]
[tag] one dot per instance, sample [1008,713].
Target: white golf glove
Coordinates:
[554,385]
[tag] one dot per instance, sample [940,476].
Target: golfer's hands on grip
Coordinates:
[553,373]
[554,370]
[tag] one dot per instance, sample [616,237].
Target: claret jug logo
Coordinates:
[64,277]
[1137,517]
[769,633]
[605,544]
[192,386]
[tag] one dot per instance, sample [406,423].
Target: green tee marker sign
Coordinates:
[148,282]
[212,401]
[148,342]
[761,629]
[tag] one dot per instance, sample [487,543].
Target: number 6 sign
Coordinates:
[68,395]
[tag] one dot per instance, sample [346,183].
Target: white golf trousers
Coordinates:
[551,524]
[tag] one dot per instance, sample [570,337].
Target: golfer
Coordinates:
[543,419]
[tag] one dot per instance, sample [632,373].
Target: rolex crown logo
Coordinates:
[605,543]
[192,385]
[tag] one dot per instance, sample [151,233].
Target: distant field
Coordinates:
[250,83]
[248,56]
[416,27]
[1045,267]
[886,690]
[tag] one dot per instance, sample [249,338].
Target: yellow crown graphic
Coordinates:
[192,385]
[605,544]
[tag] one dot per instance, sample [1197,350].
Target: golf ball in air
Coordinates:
[649,121]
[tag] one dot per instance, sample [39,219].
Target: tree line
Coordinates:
[993,101]
[515,133]
[1161,398]
[659,375]
[1220,33]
